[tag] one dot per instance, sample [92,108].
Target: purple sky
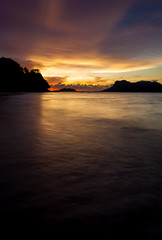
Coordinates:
[92,42]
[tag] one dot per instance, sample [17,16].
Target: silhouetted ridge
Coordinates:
[14,78]
[67,90]
[142,86]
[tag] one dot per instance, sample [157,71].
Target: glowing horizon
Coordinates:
[84,42]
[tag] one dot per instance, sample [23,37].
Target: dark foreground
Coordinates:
[84,165]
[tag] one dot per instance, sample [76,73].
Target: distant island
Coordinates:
[65,90]
[141,86]
[14,78]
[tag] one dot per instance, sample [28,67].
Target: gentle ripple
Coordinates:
[82,162]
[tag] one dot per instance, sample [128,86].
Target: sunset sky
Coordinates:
[87,44]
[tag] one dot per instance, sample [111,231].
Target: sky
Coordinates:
[85,44]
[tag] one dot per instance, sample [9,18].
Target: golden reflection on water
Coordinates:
[68,127]
[73,124]
[81,155]
[79,105]
[70,112]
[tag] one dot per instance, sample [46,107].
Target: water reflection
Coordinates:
[91,158]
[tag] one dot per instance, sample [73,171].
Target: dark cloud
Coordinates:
[71,25]
[62,82]
[29,64]
[98,34]
[93,12]
[81,87]
[56,80]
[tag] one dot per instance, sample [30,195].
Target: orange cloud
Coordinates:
[81,40]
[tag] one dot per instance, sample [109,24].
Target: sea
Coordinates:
[82,164]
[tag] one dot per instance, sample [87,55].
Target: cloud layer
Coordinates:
[83,38]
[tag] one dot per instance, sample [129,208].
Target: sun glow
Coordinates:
[93,70]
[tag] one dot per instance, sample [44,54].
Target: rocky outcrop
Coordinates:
[141,86]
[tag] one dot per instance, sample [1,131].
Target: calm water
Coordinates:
[82,162]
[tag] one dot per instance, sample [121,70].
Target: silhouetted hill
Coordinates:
[14,78]
[67,90]
[142,86]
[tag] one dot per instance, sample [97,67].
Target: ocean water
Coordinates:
[82,163]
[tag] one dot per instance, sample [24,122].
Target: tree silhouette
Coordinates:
[14,78]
